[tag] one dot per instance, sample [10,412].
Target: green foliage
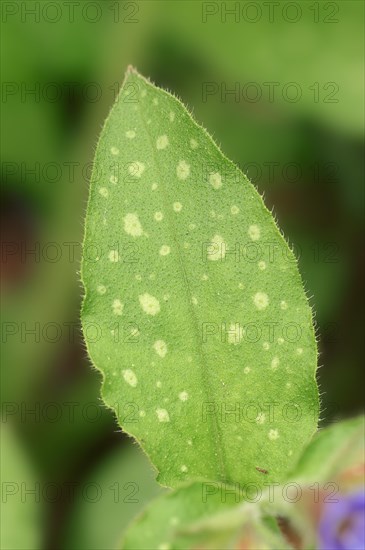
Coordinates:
[202,515]
[124,484]
[194,310]
[21,516]
[331,452]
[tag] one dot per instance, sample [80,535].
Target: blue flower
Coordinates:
[342,525]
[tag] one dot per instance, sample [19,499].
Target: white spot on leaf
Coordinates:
[130,134]
[130,378]
[158,216]
[261,300]
[183,396]
[273,434]
[162,142]
[162,415]
[217,248]
[114,150]
[104,192]
[117,307]
[136,168]
[132,225]
[254,232]
[160,348]
[183,170]
[149,304]
[215,180]
[177,206]
[193,143]
[165,250]
[113,256]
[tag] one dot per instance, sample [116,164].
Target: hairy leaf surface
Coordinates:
[203,515]
[194,309]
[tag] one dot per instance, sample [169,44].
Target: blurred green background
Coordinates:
[295,126]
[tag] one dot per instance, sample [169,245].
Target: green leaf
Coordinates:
[22,516]
[124,484]
[202,515]
[194,309]
[333,452]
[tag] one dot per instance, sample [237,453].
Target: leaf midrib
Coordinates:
[217,442]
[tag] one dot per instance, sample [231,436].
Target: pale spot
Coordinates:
[234,210]
[246,370]
[299,351]
[130,378]
[132,225]
[241,286]
[113,256]
[152,276]
[193,143]
[290,452]
[192,226]
[162,142]
[183,396]
[149,121]
[184,468]
[162,415]
[260,418]
[190,359]
[261,300]
[215,180]
[130,134]
[136,168]
[177,206]
[189,442]
[194,300]
[154,186]
[204,277]
[165,250]
[138,277]
[113,180]
[275,363]
[158,384]
[212,213]
[160,348]
[288,384]
[117,307]
[142,413]
[155,101]
[186,245]
[143,93]
[114,150]
[283,304]
[171,116]
[101,289]
[262,265]
[280,340]
[254,232]
[158,216]
[266,345]
[103,192]
[273,434]
[164,546]
[183,170]
[174,521]
[235,333]
[166,297]
[149,304]
[217,248]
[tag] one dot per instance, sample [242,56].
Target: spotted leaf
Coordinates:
[194,310]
